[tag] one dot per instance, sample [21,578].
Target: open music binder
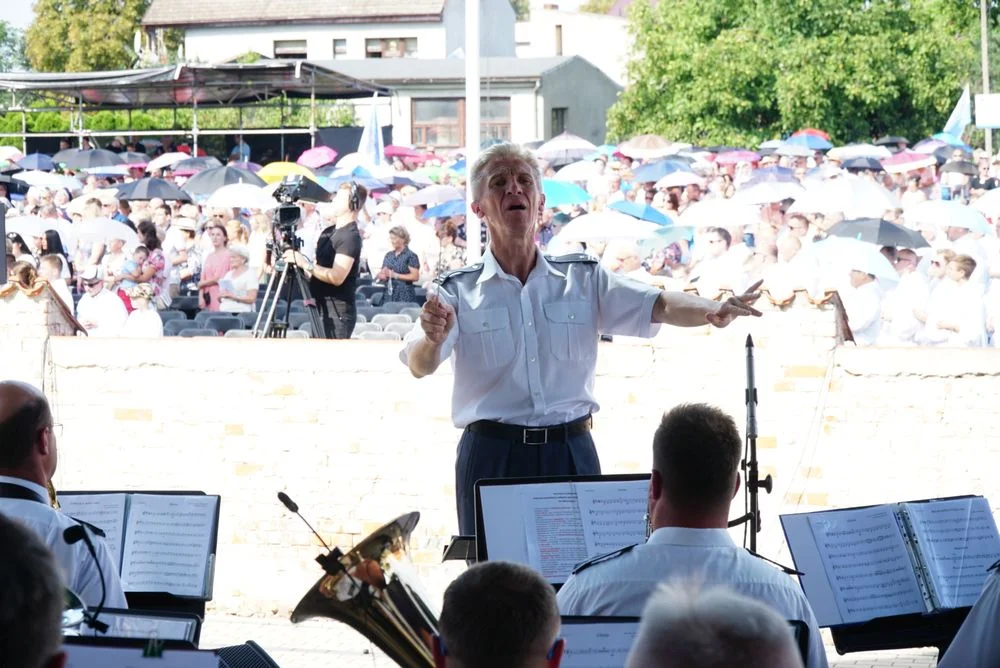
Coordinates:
[554,523]
[162,542]
[890,560]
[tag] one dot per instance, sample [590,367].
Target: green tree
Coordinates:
[522,9]
[597,6]
[11,48]
[83,35]
[741,71]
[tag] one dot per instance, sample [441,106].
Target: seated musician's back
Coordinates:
[28,456]
[977,642]
[696,454]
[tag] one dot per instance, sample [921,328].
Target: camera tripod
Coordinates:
[269,324]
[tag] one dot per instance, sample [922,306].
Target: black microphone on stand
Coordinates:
[73,535]
[330,561]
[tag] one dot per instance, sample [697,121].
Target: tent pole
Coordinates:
[312,112]
[194,126]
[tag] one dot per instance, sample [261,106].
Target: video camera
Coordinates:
[293,189]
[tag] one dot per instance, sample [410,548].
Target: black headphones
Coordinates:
[355,201]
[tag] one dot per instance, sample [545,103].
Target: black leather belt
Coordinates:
[532,435]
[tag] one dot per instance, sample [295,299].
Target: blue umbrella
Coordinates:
[458,166]
[772,175]
[38,161]
[809,141]
[654,171]
[334,182]
[952,140]
[558,193]
[455,207]
[642,212]
[603,151]
[665,236]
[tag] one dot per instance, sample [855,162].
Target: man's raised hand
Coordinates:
[437,319]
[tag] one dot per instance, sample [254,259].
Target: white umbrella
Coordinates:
[842,153]
[988,204]
[10,154]
[719,213]
[946,213]
[565,148]
[854,196]
[27,226]
[241,196]
[577,171]
[680,179]
[646,147]
[432,195]
[100,230]
[165,160]
[768,192]
[602,225]
[853,255]
[34,177]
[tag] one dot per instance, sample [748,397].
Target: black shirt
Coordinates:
[334,241]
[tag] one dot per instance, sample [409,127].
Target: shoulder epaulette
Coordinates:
[448,275]
[97,531]
[995,566]
[584,565]
[572,257]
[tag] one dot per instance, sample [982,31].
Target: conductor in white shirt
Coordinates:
[523,328]
[28,456]
[101,312]
[696,455]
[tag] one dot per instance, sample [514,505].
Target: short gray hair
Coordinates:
[498,615]
[683,625]
[32,603]
[505,151]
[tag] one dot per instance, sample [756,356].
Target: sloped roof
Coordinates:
[400,70]
[181,13]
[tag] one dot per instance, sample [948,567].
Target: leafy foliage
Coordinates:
[597,6]
[11,48]
[83,35]
[742,71]
[522,9]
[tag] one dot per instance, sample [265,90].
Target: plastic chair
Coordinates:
[369,312]
[413,311]
[396,307]
[401,328]
[194,331]
[171,314]
[362,327]
[297,334]
[223,323]
[296,319]
[248,318]
[307,328]
[238,334]
[380,336]
[386,318]
[201,317]
[174,327]
[187,304]
[368,291]
[361,318]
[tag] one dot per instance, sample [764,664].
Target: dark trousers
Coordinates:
[482,457]
[338,317]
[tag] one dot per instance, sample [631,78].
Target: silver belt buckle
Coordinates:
[528,440]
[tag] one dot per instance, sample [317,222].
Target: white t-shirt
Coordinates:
[144,324]
[105,310]
[240,286]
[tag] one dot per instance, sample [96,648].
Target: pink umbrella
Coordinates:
[735,157]
[812,131]
[908,161]
[249,166]
[393,151]
[315,158]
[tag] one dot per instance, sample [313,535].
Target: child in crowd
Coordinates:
[132,269]
[50,267]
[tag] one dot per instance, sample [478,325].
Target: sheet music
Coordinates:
[597,644]
[127,625]
[553,531]
[867,564]
[104,511]
[167,543]
[85,656]
[613,514]
[958,541]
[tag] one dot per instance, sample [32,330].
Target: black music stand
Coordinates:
[931,629]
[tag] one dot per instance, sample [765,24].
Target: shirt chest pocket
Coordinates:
[485,336]
[572,332]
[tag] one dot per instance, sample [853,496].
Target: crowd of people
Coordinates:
[732,218]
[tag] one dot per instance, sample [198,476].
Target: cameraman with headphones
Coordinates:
[333,277]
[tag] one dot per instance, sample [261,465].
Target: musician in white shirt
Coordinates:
[28,456]
[524,327]
[101,312]
[977,642]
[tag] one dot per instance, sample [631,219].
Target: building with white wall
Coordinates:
[222,30]
[601,39]
[523,99]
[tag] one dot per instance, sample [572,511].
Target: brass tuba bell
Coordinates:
[374,589]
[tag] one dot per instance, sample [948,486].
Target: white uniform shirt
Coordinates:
[707,557]
[977,642]
[144,324]
[105,309]
[79,570]
[911,294]
[526,355]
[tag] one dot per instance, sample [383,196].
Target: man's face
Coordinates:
[511,200]
[716,245]
[954,233]
[94,287]
[859,278]
[342,201]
